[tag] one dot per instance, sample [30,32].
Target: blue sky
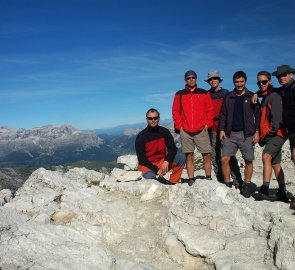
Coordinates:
[99,64]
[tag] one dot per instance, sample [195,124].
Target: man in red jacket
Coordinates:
[192,112]
[156,151]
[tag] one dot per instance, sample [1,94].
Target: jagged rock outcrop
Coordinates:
[84,219]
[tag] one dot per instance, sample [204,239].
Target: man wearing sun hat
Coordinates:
[284,75]
[192,112]
[217,93]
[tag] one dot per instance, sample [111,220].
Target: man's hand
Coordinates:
[222,135]
[164,169]
[255,138]
[254,98]
[165,166]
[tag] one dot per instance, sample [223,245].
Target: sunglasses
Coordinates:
[213,78]
[152,118]
[190,78]
[283,75]
[264,82]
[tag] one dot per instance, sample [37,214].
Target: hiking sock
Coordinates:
[265,187]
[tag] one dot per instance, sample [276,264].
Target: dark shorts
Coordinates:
[238,141]
[273,146]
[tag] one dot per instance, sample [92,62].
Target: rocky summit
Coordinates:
[83,219]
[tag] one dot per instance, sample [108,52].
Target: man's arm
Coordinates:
[222,120]
[210,111]
[257,115]
[171,147]
[276,113]
[176,113]
[171,152]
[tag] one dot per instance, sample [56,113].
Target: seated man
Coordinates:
[156,151]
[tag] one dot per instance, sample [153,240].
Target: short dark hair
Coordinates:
[239,74]
[152,110]
[264,73]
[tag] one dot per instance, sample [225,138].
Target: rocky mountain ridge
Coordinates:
[55,146]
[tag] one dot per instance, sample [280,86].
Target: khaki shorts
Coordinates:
[199,139]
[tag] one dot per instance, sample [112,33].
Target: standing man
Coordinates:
[192,112]
[156,151]
[239,125]
[272,136]
[217,93]
[284,74]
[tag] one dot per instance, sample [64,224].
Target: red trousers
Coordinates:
[176,170]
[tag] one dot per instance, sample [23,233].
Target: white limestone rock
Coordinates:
[5,196]
[130,162]
[126,176]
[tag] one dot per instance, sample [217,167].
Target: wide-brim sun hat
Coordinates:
[213,74]
[283,69]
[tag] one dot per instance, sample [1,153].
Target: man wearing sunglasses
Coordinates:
[217,93]
[156,151]
[273,135]
[284,75]
[192,112]
[239,129]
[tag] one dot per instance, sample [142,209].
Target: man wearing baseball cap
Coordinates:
[192,112]
[284,75]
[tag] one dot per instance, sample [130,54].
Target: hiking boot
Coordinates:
[162,180]
[189,181]
[246,191]
[292,205]
[228,184]
[282,196]
[208,178]
[238,183]
[262,194]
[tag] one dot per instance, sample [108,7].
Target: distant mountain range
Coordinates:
[52,145]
